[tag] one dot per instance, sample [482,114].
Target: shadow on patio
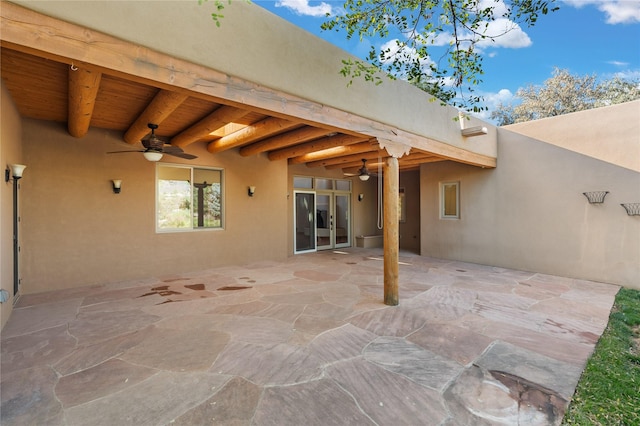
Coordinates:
[304,341]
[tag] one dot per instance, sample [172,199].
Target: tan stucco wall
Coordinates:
[529,213]
[257,46]
[599,133]
[10,153]
[78,232]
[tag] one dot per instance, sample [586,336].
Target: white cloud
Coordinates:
[395,50]
[628,74]
[493,100]
[618,63]
[616,11]
[302,7]
[505,33]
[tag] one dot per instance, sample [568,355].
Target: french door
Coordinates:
[333,228]
[322,220]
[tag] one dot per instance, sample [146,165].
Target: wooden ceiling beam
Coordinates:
[337,163]
[315,145]
[83,90]
[337,151]
[293,137]
[214,121]
[259,130]
[163,104]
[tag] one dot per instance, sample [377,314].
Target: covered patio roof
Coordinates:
[63,72]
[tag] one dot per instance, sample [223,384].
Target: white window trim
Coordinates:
[442,200]
[192,229]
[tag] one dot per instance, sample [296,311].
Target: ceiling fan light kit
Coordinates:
[363,172]
[152,155]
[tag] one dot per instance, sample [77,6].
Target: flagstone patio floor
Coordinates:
[306,341]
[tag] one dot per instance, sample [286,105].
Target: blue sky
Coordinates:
[585,36]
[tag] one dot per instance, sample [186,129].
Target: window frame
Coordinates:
[443,200]
[191,169]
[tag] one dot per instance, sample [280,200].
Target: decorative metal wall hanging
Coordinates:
[633,209]
[596,197]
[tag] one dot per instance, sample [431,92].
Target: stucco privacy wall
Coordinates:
[529,213]
[10,153]
[257,46]
[77,232]
[598,133]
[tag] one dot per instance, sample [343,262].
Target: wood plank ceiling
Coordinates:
[47,89]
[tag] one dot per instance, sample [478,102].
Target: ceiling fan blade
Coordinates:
[182,155]
[171,149]
[120,152]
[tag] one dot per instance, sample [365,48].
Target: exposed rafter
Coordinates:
[252,133]
[83,90]
[162,105]
[331,141]
[294,137]
[208,125]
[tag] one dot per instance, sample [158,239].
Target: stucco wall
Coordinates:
[599,133]
[260,47]
[78,232]
[10,153]
[529,213]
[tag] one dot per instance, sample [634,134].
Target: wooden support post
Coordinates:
[391,191]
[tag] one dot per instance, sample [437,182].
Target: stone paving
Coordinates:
[304,341]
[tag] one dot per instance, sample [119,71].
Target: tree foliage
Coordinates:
[418,27]
[564,93]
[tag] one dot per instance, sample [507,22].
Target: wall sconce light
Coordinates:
[251,190]
[117,185]
[360,197]
[474,131]
[15,172]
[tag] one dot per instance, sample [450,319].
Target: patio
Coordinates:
[304,341]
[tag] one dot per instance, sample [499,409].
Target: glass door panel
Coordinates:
[305,221]
[324,221]
[341,219]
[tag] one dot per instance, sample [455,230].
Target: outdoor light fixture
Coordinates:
[474,131]
[363,172]
[15,172]
[251,190]
[152,155]
[117,185]
[360,197]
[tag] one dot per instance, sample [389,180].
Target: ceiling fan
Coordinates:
[155,147]
[363,173]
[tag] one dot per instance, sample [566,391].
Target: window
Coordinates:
[402,206]
[188,198]
[449,200]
